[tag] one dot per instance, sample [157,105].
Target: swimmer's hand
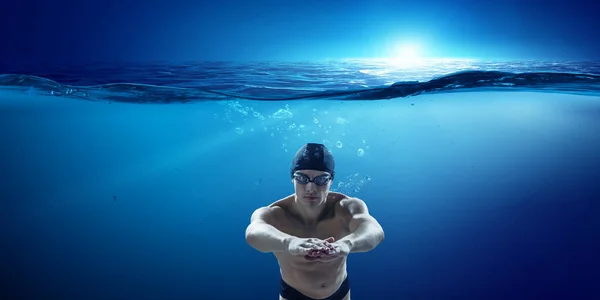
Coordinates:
[334,251]
[308,247]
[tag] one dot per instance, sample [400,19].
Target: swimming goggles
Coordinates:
[320,180]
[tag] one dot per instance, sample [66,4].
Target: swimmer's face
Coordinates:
[311,186]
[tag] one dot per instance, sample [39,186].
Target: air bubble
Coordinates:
[282,114]
[338,144]
[360,152]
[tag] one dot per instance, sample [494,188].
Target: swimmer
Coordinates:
[312,231]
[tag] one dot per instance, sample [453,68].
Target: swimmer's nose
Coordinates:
[311,186]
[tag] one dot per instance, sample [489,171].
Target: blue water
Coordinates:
[136,181]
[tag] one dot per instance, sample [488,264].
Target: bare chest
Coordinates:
[334,227]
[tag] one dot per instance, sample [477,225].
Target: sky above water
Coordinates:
[239,30]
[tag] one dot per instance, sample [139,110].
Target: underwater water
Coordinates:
[137,181]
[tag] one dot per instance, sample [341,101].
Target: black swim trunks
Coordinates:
[291,293]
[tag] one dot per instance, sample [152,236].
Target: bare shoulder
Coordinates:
[283,203]
[345,205]
[335,197]
[271,213]
[353,206]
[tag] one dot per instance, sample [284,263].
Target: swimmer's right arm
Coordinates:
[263,236]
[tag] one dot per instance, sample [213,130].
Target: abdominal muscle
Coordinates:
[316,280]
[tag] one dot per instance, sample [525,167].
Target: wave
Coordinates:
[286,90]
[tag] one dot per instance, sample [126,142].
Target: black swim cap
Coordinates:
[313,157]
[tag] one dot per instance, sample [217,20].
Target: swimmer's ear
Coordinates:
[330,239]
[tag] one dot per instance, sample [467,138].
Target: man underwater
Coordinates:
[313,230]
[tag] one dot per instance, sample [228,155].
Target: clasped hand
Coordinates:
[318,250]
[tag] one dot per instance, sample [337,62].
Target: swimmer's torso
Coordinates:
[313,279]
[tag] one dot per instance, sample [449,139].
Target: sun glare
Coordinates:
[407,52]
[406,55]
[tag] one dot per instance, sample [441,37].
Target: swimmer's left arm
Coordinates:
[366,232]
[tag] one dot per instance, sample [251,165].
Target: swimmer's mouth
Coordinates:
[311,197]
